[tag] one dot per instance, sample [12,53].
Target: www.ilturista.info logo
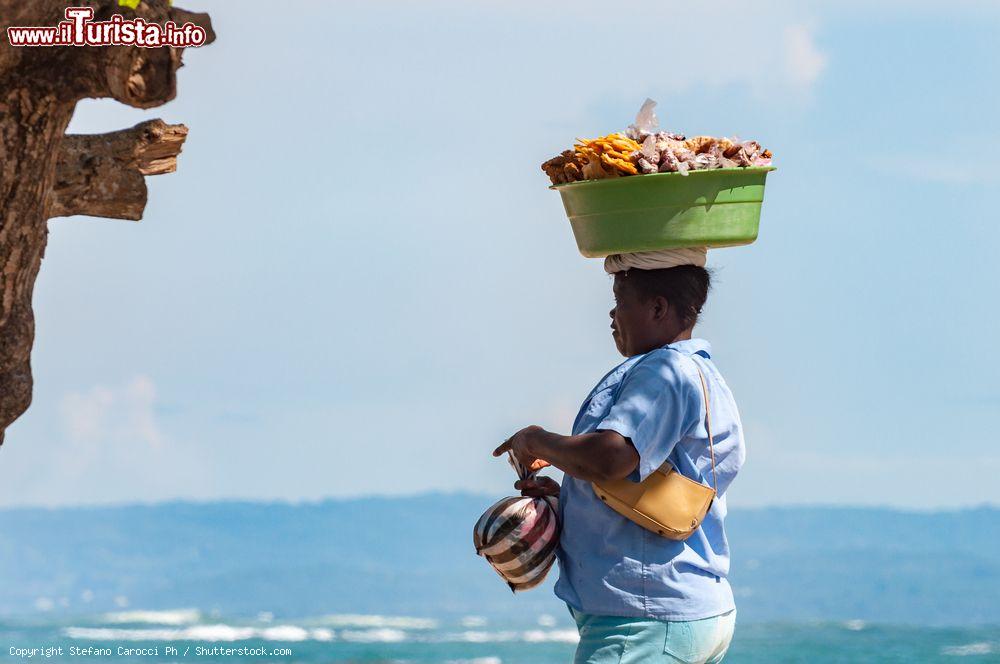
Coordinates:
[79,29]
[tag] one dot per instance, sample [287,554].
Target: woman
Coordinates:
[637,596]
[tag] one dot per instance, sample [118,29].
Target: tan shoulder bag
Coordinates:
[666,502]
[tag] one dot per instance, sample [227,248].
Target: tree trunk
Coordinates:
[32,128]
[44,173]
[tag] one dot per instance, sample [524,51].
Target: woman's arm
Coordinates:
[593,457]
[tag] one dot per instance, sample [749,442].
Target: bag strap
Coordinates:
[708,423]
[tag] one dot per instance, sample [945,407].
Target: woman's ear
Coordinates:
[661,308]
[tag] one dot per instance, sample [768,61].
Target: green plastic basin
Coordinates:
[714,208]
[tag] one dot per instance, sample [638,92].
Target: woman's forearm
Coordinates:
[595,456]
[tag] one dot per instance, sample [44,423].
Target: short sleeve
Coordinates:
[657,405]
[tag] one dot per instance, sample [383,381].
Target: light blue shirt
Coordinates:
[611,566]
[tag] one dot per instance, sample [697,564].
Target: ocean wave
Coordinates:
[530,636]
[478,636]
[169,617]
[376,621]
[557,635]
[981,648]
[322,635]
[380,635]
[296,633]
[477,660]
[220,632]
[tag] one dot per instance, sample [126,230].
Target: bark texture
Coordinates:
[102,175]
[44,173]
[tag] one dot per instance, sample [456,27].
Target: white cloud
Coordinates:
[108,444]
[777,56]
[804,62]
[102,414]
[951,162]
[84,413]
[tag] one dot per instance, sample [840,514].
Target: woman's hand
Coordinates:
[521,444]
[538,487]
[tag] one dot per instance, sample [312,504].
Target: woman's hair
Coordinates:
[685,287]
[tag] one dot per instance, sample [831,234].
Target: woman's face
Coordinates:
[641,324]
[630,319]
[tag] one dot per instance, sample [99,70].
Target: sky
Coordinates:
[357,282]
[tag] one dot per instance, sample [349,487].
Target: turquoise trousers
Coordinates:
[614,640]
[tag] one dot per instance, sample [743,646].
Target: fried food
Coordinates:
[607,156]
[567,167]
[619,154]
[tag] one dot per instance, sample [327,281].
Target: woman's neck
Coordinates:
[683,336]
[665,339]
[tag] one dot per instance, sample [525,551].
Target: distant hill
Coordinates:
[414,556]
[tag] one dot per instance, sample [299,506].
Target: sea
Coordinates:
[383,579]
[188,635]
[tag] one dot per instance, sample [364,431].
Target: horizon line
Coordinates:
[488,496]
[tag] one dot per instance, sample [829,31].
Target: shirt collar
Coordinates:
[692,346]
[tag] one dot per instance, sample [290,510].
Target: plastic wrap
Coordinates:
[646,122]
[518,536]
